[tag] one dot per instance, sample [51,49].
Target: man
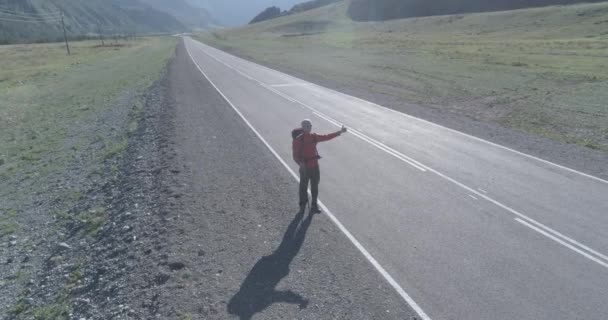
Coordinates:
[306,156]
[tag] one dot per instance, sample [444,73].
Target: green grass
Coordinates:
[93,220]
[54,124]
[44,93]
[8,228]
[8,225]
[542,70]
[116,148]
[53,312]
[186,316]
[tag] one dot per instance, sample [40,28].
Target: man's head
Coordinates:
[306,125]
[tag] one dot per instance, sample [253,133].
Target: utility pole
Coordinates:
[100,36]
[65,36]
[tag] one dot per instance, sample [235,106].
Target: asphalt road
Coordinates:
[460,227]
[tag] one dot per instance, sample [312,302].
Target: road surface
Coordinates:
[462,228]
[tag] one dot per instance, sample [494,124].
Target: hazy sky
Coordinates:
[239,12]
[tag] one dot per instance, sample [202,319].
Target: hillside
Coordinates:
[239,12]
[94,16]
[267,14]
[373,10]
[275,12]
[541,70]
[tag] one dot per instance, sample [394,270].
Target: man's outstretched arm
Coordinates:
[326,137]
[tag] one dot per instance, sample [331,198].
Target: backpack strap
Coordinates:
[302,147]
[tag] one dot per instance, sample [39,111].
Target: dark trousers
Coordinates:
[314,176]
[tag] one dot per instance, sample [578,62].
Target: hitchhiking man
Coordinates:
[306,156]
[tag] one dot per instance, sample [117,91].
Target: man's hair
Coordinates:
[306,121]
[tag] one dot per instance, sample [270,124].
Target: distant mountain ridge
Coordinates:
[239,12]
[275,12]
[89,17]
[378,10]
[191,16]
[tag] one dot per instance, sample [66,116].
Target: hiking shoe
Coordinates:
[315,209]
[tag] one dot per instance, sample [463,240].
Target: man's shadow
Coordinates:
[258,291]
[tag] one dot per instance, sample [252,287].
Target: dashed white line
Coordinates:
[291,85]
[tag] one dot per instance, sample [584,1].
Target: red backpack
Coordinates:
[295,133]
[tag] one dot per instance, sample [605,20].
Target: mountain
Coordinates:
[193,17]
[275,12]
[310,5]
[373,10]
[37,20]
[240,12]
[269,13]
[86,17]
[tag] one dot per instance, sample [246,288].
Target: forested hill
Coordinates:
[373,10]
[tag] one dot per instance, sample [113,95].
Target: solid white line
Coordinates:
[375,143]
[390,150]
[333,218]
[235,69]
[291,85]
[472,196]
[572,241]
[425,167]
[585,254]
[278,93]
[419,119]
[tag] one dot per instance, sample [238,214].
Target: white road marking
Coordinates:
[422,166]
[602,263]
[278,92]
[472,196]
[291,85]
[480,189]
[428,122]
[375,143]
[337,222]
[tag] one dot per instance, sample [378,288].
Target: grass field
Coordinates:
[64,125]
[54,120]
[542,70]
